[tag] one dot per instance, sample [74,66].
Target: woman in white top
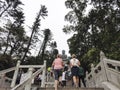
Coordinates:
[74,63]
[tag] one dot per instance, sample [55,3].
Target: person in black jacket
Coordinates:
[81,76]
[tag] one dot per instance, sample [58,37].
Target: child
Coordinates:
[64,78]
[81,76]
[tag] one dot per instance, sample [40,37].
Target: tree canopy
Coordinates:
[97,31]
[15,44]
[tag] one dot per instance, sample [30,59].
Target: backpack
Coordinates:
[81,71]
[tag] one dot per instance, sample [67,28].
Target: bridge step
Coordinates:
[67,88]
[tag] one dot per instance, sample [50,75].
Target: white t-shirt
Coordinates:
[63,76]
[74,62]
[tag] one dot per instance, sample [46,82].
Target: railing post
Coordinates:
[15,74]
[44,75]
[28,86]
[2,81]
[93,75]
[87,83]
[103,66]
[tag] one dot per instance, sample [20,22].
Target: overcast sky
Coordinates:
[54,21]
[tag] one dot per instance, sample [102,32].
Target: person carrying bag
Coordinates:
[81,76]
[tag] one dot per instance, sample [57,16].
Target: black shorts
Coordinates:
[75,71]
[57,73]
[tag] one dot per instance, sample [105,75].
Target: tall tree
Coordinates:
[7,6]
[47,38]
[53,45]
[15,31]
[79,25]
[12,31]
[93,32]
[105,19]
[35,28]
[14,27]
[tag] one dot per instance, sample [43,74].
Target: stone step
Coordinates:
[4,88]
[67,88]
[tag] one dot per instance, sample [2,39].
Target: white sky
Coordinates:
[54,21]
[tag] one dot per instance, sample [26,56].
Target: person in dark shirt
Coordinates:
[81,76]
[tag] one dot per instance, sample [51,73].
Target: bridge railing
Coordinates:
[5,81]
[106,71]
[25,83]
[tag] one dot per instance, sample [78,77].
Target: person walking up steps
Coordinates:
[81,76]
[64,77]
[74,63]
[58,66]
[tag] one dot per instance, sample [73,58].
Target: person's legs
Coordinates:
[63,83]
[56,84]
[75,80]
[79,82]
[74,76]
[83,81]
[60,79]
[72,82]
[56,79]
[60,76]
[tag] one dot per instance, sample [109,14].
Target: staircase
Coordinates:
[105,76]
[50,86]
[71,88]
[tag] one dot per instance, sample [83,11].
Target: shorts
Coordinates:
[75,71]
[57,73]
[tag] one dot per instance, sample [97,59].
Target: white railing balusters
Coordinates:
[44,75]
[28,86]
[15,74]
[107,71]
[92,71]
[103,66]
[26,83]
[2,80]
[7,70]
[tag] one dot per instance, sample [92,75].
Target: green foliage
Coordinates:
[47,38]
[91,57]
[35,30]
[13,39]
[6,62]
[99,30]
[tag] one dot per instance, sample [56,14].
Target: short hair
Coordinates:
[73,56]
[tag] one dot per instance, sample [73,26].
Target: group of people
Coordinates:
[60,70]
